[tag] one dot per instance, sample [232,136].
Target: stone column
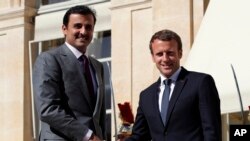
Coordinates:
[16,29]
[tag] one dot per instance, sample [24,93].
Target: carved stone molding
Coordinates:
[16,12]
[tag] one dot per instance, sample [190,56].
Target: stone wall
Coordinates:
[16,29]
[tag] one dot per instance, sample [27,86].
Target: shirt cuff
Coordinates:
[88,135]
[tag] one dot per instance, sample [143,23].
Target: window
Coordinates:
[100,48]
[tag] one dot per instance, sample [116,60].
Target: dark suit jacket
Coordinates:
[193,114]
[62,98]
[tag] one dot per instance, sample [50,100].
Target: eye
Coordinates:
[78,26]
[88,27]
[171,53]
[159,54]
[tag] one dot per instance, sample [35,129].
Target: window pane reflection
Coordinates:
[101,45]
[107,84]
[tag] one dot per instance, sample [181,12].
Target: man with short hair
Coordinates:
[181,105]
[69,85]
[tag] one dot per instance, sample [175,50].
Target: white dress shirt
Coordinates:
[172,85]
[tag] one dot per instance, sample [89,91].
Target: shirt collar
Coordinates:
[76,52]
[173,77]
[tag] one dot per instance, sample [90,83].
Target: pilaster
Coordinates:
[16,29]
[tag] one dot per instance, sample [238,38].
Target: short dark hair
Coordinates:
[79,9]
[165,35]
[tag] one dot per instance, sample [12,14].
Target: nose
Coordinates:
[82,30]
[165,57]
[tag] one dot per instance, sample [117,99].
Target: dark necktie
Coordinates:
[165,100]
[88,76]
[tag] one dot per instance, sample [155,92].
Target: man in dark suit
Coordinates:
[69,86]
[191,111]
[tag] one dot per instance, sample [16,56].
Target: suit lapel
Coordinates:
[72,64]
[180,83]
[97,69]
[155,95]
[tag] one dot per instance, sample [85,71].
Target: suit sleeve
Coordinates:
[209,105]
[140,131]
[50,102]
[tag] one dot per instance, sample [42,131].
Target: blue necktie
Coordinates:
[165,100]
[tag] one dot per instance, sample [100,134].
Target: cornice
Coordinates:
[66,5]
[12,13]
[129,4]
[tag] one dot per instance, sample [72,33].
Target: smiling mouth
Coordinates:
[166,67]
[84,39]
[81,37]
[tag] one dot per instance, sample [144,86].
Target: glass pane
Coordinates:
[107,84]
[46,45]
[238,118]
[101,45]
[46,2]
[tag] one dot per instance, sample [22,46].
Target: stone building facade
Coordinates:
[122,34]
